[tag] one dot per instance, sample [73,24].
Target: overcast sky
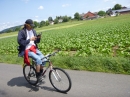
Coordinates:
[16,12]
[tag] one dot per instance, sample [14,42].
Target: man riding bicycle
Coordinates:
[27,40]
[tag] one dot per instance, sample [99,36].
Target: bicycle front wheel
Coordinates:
[29,73]
[60,80]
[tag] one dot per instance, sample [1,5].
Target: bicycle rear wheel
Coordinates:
[29,73]
[60,80]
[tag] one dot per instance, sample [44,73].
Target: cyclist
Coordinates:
[27,40]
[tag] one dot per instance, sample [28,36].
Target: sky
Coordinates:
[16,12]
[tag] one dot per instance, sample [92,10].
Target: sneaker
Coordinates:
[40,78]
[41,71]
[38,75]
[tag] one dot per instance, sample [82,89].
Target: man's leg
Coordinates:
[38,61]
[38,68]
[41,56]
[41,69]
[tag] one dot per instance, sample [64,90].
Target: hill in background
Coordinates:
[11,29]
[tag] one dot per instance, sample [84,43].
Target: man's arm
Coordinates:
[38,38]
[22,39]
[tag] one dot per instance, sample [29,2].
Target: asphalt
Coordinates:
[84,84]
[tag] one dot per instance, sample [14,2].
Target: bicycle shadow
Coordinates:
[20,81]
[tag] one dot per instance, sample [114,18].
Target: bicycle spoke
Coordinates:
[30,75]
[60,80]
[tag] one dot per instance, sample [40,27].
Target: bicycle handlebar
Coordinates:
[52,54]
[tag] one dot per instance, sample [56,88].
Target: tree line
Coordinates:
[77,16]
[66,18]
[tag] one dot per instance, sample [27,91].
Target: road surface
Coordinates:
[84,84]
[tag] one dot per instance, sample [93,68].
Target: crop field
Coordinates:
[103,37]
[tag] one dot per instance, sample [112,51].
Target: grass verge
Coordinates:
[118,65]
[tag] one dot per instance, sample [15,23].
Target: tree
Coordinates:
[36,24]
[70,17]
[42,23]
[65,19]
[101,13]
[47,23]
[17,29]
[77,16]
[9,30]
[50,19]
[56,21]
[58,17]
[117,6]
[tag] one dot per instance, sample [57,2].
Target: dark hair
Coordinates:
[24,26]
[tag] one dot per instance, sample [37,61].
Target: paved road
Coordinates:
[85,84]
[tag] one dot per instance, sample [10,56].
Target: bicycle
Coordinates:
[58,77]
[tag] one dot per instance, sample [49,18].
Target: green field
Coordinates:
[96,37]
[105,38]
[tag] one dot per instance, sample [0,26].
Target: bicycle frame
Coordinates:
[51,69]
[47,57]
[49,66]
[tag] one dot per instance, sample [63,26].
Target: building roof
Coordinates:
[121,10]
[89,14]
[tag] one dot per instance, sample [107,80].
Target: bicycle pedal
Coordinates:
[44,76]
[40,80]
[28,78]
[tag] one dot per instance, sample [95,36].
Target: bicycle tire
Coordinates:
[58,72]
[30,75]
